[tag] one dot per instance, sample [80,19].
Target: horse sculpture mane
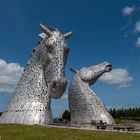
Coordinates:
[42,79]
[85,106]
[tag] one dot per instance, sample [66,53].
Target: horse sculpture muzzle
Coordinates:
[58,85]
[108,68]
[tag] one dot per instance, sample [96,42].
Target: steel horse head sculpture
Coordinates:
[42,79]
[85,106]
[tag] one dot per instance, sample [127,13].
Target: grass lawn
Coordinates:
[25,132]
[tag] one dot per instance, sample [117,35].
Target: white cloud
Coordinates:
[9,75]
[128,10]
[137,26]
[119,77]
[138,42]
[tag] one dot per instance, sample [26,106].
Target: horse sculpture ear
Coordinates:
[45,30]
[67,35]
[42,35]
[73,70]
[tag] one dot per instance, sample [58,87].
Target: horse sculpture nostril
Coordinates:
[54,85]
[108,68]
[109,65]
[59,83]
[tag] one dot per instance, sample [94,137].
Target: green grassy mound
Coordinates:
[26,132]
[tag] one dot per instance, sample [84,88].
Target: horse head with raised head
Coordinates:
[85,105]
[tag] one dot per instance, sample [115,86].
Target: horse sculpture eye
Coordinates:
[50,49]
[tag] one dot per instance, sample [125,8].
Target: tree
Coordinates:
[127,113]
[0,113]
[66,115]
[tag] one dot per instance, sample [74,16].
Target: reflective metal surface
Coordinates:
[43,78]
[85,106]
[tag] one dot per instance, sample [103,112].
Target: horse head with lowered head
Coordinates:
[43,78]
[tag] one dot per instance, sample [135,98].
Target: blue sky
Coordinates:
[102,31]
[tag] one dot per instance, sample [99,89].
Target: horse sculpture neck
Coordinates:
[30,103]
